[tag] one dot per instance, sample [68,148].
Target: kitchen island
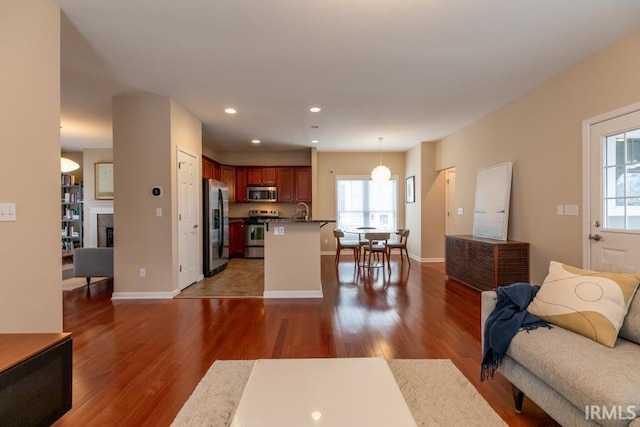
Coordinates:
[292,258]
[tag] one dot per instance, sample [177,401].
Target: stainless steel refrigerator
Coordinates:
[215,201]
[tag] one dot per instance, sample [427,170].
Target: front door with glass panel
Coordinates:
[614,233]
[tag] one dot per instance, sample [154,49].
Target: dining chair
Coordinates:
[342,243]
[363,240]
[400,244]
[376,244]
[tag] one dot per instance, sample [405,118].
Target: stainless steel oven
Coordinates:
[253,240]
[254,231]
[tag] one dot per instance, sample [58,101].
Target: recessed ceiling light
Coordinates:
[315,141]
[315,109]
[255,141]
[230,110]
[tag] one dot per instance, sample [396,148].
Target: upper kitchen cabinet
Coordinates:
[284,183]
[302,184]
[228,176]
[261,176]
[211,169]
[241,184]
[207,167]
[294,184]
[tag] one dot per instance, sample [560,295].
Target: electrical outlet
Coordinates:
[143,272]
[560,209]
[278,231]
[158,211]
[460,211]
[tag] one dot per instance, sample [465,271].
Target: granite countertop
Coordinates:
[297,220]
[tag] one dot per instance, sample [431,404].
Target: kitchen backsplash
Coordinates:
[287,210]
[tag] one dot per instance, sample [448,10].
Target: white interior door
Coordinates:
[450,202]
[187,219]
[614,168]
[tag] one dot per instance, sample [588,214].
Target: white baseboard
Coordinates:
[144,295]
[292,294]
[416,258]
[412,256]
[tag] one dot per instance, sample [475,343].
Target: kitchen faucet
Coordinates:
[306,209]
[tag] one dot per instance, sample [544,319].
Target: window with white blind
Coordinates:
[363,203]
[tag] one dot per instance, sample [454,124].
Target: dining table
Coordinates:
[361,231]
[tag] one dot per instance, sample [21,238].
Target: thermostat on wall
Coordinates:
[156,191]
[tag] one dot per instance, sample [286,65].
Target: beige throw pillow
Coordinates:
[589,303]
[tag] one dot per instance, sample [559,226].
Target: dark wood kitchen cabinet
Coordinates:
[261,176]
[485,264]
[207,168]
[241,184]
[284,183]
[302,184]
[236,239]
[211,169]
[294,184]
[228,176]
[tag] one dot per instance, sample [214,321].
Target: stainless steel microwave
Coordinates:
[262,194]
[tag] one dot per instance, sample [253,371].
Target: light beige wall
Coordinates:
[339,163]
[540,133]
[413,211]
[30,292]
[432,206]
[186,134]
[142,158]
[90,157]
[273,158]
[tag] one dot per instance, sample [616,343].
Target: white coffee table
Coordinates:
[322,392]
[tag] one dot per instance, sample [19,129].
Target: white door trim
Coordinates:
[586,173]
[197,252]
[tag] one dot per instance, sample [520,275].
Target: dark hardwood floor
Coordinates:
[137,362]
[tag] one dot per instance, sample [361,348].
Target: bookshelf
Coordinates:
[70,214]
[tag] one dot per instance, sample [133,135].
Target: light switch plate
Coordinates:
[460,211]
[572,210]
[7,211]
[560,209]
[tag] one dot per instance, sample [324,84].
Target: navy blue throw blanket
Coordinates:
[508,318]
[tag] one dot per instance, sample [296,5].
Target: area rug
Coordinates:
[242,278]
[435,390]
[79,282]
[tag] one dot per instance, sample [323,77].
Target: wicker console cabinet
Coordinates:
[485,264]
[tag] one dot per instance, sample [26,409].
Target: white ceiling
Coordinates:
[410,71]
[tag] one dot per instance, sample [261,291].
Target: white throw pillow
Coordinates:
[589,303]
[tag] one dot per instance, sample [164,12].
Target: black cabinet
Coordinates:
[35,378]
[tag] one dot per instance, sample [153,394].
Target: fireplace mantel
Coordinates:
[92,208]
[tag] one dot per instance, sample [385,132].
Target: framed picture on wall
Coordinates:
[104,181]
[411,189]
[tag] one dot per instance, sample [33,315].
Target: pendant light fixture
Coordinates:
[380,173]
[68,165]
